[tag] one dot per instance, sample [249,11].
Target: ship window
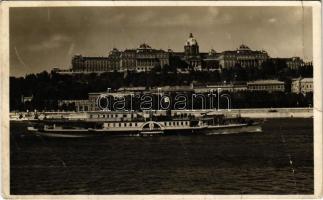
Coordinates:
[103,115]
[130,124]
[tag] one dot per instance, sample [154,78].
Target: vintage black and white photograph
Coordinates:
[176,100]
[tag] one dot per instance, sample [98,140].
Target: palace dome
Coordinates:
[191,41]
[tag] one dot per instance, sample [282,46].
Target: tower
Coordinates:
[191,47]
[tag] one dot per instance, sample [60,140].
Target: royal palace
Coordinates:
[145,58]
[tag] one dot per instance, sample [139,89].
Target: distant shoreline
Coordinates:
[267,112]
[276,113]
[246,112]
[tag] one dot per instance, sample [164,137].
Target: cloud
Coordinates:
[144,17]
[20,58]
[227,18]
[55,41]
[228,36]
[213,11]
[71,50]
[272,20]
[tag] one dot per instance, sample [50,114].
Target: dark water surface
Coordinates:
[247,163]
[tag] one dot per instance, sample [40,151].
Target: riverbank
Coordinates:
[250,113]
[260,112]
[275,112]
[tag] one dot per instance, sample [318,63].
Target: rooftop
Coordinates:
[307,80]
[303,79]
[273,81]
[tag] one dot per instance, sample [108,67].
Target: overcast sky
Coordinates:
[43,38]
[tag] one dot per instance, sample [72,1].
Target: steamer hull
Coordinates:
[206,130]
[97,124]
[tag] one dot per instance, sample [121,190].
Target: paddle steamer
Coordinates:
[90,124]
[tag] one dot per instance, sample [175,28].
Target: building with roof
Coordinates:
[294,63]
[266,85]
[243,56]
[211,61]
[143,58]
[302,85]
[25,99]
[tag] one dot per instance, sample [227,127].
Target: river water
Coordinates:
[277,161]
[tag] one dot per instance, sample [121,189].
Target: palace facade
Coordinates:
[243,56]
[145,58]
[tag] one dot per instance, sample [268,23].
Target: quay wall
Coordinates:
[276,113]
[264,112]
[250,113]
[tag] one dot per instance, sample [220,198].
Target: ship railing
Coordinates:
[153,129]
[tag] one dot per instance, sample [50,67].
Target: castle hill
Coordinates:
[251,78]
